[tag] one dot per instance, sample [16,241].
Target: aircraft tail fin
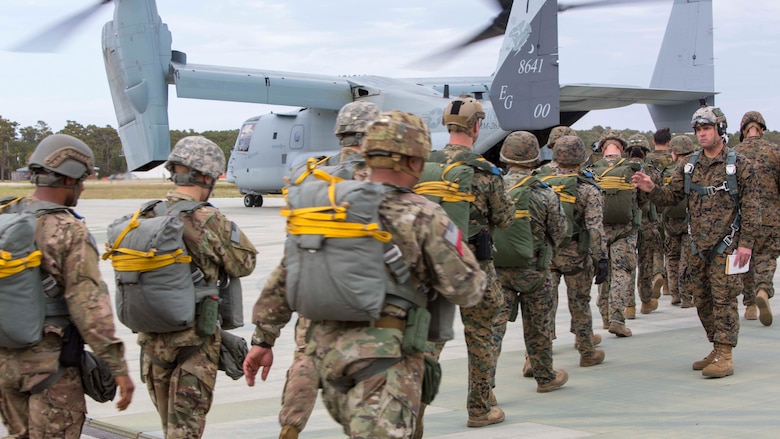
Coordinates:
[137,55]
[685,62]
[525,92]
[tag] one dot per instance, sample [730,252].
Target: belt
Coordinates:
[382,322]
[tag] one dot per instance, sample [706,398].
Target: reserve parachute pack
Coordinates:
[618,191]
[680,210]
[565,186]
[516,245]
[155,277]
[26,296]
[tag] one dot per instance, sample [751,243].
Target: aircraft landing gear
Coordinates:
[251,200]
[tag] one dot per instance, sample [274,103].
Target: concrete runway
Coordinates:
[645,388]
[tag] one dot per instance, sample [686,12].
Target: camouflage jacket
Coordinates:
[432,249]
[765,157]
[711,215]
[491,202]
[214,242]
[588,212]
[361,170]
[70,255]
[547,216]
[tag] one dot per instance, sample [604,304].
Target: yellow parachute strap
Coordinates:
[311,169]
[565,198]
[125,259]
[610,182]
[520,183]
[447,190]
[15,200]
[667,180]
[522,214]
[9,266]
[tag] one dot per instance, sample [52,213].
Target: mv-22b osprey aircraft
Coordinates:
[523,93]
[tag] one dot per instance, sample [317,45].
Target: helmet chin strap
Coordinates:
[188,179]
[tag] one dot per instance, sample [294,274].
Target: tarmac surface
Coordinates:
[644,389]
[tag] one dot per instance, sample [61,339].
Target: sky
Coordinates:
[613,45]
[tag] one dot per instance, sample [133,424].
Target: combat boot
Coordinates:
[528,371]
[493,400]
[751,312]
[289,432]
[494,416]
[596,341]
[560,379]
[687,302]
[596,358]
[619,329]
[658,283]
[704,362]
[649,306]
[676,299]
[764,311]
[630,312]
[722,365]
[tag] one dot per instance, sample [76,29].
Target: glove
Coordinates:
[602,271]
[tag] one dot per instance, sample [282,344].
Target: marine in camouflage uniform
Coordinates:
[759,286]
[576,268]
[491,208]
[303,381]
[660,157]
[385,404]
[28,406]
[180,379]
[530,287]
[621,243]
[711,217]
[545,153]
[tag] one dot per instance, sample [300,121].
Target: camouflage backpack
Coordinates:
[618,191]
[517,245]
[26,296]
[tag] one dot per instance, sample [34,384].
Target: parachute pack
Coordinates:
[516,245]
[618,191]
[26,297]
[565,186]
[155,280]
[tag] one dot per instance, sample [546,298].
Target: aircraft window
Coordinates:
[242,143]
[274,136]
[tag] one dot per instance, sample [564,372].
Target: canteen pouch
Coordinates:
[431,379]
[206,325]
[416,331]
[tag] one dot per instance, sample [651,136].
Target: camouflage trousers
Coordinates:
[763,263]
[615,291]
[303,382]
[480,327]
[715,294]
[677,249]
[181,393]
[649,249]
[578,295]
[384,405]
[58,411]
[533,289]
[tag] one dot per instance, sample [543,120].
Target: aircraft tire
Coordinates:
[249,200]
[258,201]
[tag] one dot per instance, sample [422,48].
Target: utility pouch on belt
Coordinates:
[96,378]
[416,331]
[207,319]
[431,380]
[483,243]
[72,347]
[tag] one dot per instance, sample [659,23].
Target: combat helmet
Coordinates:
[569,150]
[611,134]
[520,148]
[200,155]
[462,112]
[752,116]
[639,140]
[352,120]
[708,115]
[394,134]
[681,145]
[558,132]
[63,155]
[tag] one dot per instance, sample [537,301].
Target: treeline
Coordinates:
[18,143]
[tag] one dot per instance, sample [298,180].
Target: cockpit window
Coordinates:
[242,143]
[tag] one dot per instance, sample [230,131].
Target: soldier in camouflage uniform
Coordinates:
[530,287]
[180,368]
[39,397]
[660,157]
[759,287]
[385,404]
[712,213]
[577,267]
[649,244]
[303,381]
[491,208]
[621,244]
[545,154]
[677,247]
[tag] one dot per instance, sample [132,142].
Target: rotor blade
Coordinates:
[52,37]
[600,3]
